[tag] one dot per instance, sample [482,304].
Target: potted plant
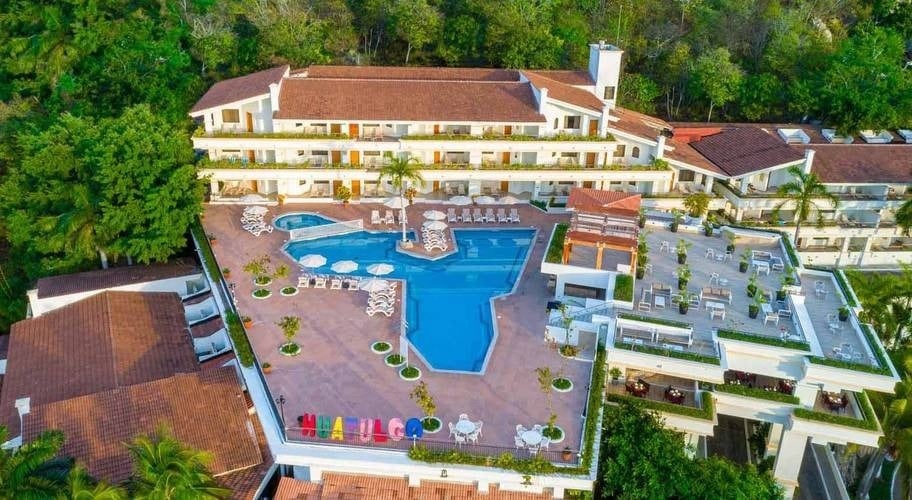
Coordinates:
[742,265]
[259,269]
[682,251]
[786,280]
[267,368]
[683,276]
[753,309]
[281,199]
[567,454]
[642,255]
[422,397]
[248,321]
[641,218]
[843,313]
[752,284]
[684,301]
[615,373]
[730,237]
[676,217]
[410,194]
[697,204]
[226,272]
[544,377]
[290,326]
[707,228]
[212,239]
[344,194]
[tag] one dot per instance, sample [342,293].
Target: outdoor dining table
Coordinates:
[465,427]
[531,437]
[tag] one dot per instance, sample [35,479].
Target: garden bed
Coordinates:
[561,384]
[410,373]
[394,360]
[290,349]
[431,425]
[288,291]
[261,293]
[381,347]
[262,281]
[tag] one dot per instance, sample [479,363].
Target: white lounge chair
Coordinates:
[501,215]
[335,284]
[319,282]
[476,215]
[387,311]
[466,215]
[375,217]
[304,281]
[489,216]
[514,215]
[390,219]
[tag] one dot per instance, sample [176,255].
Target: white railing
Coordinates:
[334,229]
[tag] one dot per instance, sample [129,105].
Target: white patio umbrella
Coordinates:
[400,203]
[485,200]
[312,260]
[253,198]
[508,200]
[435,225]
[344,266]
[460,200]
[380,269]
[256,210]
[374,285]
[434,215]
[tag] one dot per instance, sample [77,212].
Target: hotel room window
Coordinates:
[556,123]
[609,92]
[572,122]
[231,116]
[620,151]
[635,152]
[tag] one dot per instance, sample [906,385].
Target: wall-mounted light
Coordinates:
[443,473]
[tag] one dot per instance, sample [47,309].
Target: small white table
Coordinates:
[659,302]
[465,427]
[531,437]
[766,308]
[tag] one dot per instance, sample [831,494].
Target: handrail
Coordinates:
[589,311]
[323,230]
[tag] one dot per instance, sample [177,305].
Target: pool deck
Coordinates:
[337,374]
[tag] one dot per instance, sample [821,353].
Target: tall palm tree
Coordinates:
[400,173]
[83,487]
[34,470]
[165,468]
[801,193]
[904,217]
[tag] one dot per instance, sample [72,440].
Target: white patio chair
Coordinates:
[544,443]
[451,215]
[390,218]
[519,441]
[771,316]
[460,439]
[375,217]
[466,215]
[463,416]
[304,281]
[452,429]
[478,426]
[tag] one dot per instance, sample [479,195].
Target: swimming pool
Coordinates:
[448,309]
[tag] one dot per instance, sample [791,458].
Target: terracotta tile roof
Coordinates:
[204,410]
[862,163]
[240,88]
[363,487]
[602,201]
[638,124]
[245,483]
[739,151]
[109,340]
[108,278]
[413,73]
[564,92]
[207,328]
[683,152]
[570,77]
[364,99]
[217,361]
[4,345]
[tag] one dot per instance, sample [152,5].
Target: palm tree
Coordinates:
[34,470]
[897,438]
[79,227]
[400,173]
[83,487]
[904,217]
[802,193]
[165,468]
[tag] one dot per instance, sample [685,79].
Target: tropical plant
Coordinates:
[802,193]
[544,376]
[730,237]
[422,397]
[290,326]
[744,260]
[681,250]
[258,267]
[904,217]
[642,255]
[344,193]
[400,173]
[683,276]
[676,217]
[697,204]
[752,284]
[163,467]
[81,486]
[684,300]
[641,217]
[34,470]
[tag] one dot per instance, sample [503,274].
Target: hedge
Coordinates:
[658,321]
[242,348]
[869,422]
[591,431]
[754,392]
[623,287]
[648,349]
[532,465]
[846,289]
[555,253]
[705,413]
[760,339]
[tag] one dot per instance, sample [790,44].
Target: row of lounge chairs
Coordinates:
[434,240]
[382,302]
[331,282]
[488,216]
[387,218]
[253,222]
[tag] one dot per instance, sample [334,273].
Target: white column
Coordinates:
[843,250]
[788,461]
[708,183]
[744,183]
[536,189]
[806,393]
[775,437]
[213,186]
[869,241]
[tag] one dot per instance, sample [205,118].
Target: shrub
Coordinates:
[242,347]
[623,288]
[555,253]
[759,339]
[561,383]
[753,392]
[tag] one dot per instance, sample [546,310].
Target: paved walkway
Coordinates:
[337,374]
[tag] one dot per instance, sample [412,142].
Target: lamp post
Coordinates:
[281,402]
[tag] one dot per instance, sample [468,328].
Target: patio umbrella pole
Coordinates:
[402,216]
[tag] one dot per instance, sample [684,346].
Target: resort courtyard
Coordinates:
[337,374]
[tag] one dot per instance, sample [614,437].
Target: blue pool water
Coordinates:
[294,221]
[448,309]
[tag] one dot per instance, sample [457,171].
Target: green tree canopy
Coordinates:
[34,471]
[166,468]
[415,22]
[801,194]
[716,78]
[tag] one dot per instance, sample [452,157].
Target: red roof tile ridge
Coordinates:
[421,80]
[110,319]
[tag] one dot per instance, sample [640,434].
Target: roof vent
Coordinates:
[906,135]
[794,136]
[830,135]
[876,137]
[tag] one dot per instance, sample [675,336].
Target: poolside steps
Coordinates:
[324,230]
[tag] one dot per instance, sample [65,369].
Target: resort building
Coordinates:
[115,365]
[285,135]
[727,322]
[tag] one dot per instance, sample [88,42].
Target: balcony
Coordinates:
[307,133]
[667,394]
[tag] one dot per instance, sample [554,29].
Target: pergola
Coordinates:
[603,220]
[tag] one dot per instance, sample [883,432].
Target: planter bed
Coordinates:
[381,347]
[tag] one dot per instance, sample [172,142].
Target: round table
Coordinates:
[532,437]
[465,427]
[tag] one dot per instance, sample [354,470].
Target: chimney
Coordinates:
[605,70]
[808,160]
[542,97]
[660,146]
[274,96]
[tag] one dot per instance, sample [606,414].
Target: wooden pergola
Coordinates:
[603,220]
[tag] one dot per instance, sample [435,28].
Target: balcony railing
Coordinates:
[555,455]
[512,137]
[229,134]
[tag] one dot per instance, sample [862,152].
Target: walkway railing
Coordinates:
[355,440]
[584,315]
[334,229]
